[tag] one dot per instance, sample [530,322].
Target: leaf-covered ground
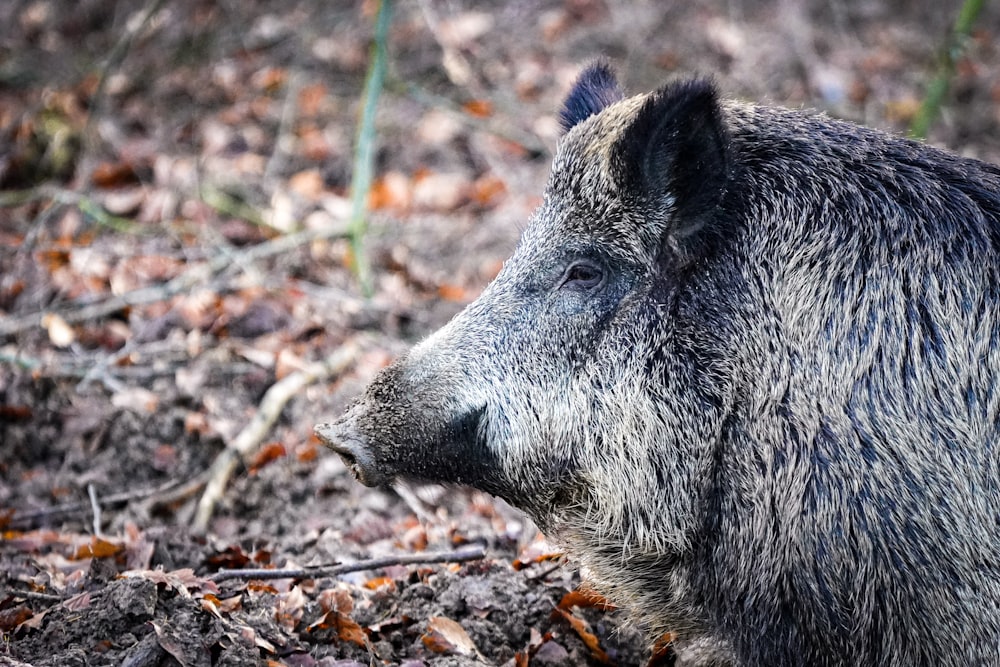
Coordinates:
[174,185]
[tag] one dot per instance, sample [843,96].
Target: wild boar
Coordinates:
[743,365]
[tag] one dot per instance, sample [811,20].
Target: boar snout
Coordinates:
[343,437]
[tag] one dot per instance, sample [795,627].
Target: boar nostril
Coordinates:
[353,451]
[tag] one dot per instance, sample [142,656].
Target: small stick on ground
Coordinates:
[26,520]
[249,439]
[95,506]
[324,571]
[196,275]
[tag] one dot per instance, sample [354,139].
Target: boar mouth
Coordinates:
[353,450]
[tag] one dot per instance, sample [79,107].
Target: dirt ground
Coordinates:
[150,151]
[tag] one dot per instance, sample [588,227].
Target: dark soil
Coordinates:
[132,150]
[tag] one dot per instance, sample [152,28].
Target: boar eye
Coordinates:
[582,276]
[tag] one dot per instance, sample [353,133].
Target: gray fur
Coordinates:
[768,421]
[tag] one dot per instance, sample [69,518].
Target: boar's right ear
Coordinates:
[595,88]
[675,153]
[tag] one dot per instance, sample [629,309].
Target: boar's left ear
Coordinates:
[595,88]
[675,152]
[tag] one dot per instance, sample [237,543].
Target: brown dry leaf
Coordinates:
[337,606]
[164,458]
[269,453]
[229,605]
[130,273]
[582,629]
[14,616]
[261,587]
[136,399]
[78,602]
[288,362]
[290,608]
[232,557]
[381,582]
[415,538]
[478,108]
[304,453]
[61,334]
[487,190]
[440,191]
[392,190]
[464,27]
[311,99]
[584,598]
[348,630]
[343,602]
[308,183]
[138,549]
[183,581]
[314,144]
[447,636]
[251,637]
[210,603]
[450,292]
[54,259]
[31,541]
[168,639]
[662,654]
[197,422]
[113,175]
[270,79]
[14,413]
[98,548]
[537,552]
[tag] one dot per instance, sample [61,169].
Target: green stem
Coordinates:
[938,87]
[364,154]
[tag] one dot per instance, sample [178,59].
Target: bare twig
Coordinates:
[459,555]
[198,274]
[23,520]
[180,493]
[32,595]
[95,506]
[284,139]
[492,125]
[453,62]
[253,434]
[62,196]
[111,64]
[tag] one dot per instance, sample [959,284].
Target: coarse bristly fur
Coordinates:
[743,366]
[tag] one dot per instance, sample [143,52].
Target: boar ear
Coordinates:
[675,153]
[596,88]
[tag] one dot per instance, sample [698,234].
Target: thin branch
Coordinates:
[249,439]
[24,520]
[457,556]
[64,197]
[285,137]
[32,595]
[198,274]
[492,125]
[95,507]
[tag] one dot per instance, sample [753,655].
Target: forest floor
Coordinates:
[173,195]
